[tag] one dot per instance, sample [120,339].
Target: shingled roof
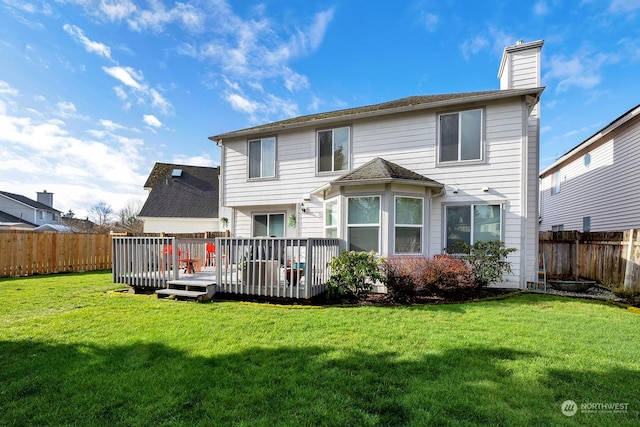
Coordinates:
[27,201]
[192,194]
[390,107]
[379,170]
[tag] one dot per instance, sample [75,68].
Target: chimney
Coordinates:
[520,66]
[45,198]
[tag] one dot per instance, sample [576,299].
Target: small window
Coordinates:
[557,227]
[331,218]
[460,136]
[262,158]
[268,225]
[586,224]
[176,173]
[333,149]
[555,182]
[363,223]
[587,160]
[408,225]
[472,223]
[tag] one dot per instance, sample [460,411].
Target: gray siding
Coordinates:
[608,190]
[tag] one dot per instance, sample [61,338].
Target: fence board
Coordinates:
[24,253]
[600,256]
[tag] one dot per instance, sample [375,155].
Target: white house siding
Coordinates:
[409,140]
[180,225]
[21,211]
[608,190]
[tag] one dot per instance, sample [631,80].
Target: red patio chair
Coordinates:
[211,254]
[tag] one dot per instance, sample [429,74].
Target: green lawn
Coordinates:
[74,353]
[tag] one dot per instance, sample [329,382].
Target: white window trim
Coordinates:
[378,224]
[275,159]
[317,142]
[482,139]
[472,219]
[395,225]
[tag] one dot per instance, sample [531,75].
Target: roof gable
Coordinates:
[379,170]
[27,201]
[193,194]
[7,217]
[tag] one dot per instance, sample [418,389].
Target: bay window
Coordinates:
[408,225]
[363,223]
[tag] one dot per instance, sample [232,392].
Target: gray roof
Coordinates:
[399,105]
[193,194]
[27,201]
[379,170]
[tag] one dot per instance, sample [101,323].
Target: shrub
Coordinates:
[630,296]
[441,276]
[489,260]
[352,276]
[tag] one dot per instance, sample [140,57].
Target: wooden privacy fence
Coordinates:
[28,253]
[608,257]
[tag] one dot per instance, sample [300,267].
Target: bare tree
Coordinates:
[101,213]
[128,216]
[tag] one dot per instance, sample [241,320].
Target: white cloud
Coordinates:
[157,17]
[540,8]
[126,75]
[117,10]
[242,104]
[152,120]
[44,153]
[294,81]
[7,90]
[582,70]
[203,159]
[430,21]
[159,102]
[624,6]
[473,46]
[90,46]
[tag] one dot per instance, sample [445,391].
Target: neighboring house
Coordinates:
[37,212]
[10,222]
[182,199]
[406,177]
[596,185]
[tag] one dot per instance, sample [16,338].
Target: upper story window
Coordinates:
[460,136]
[333,149]
[262,158]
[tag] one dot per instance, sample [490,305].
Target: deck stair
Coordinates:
[539,279]
[197,289]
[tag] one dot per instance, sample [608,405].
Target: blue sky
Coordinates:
[94,92]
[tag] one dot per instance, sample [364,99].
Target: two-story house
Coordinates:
[37,212]
[405,177]
[572,192]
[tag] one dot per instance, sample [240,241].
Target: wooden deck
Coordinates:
[270,267]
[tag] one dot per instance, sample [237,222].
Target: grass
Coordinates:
[74,353]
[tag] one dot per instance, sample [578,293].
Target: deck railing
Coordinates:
[272,267]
